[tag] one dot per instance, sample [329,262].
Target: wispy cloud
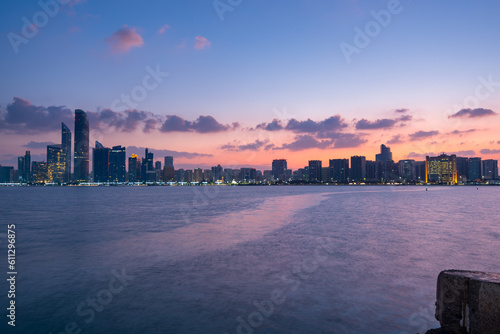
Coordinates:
[201,43]
[422,134]
[305,142]
[255,146]
[124,39]
[163,28]
[163,153]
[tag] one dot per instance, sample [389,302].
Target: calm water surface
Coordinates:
[241,259]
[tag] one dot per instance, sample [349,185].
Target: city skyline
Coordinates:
[219,89]
[109,165]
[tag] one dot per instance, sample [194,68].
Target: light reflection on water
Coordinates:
[198,275]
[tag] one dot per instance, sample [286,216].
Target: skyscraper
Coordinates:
[66,151]
[134,168]
[339,170]
[169,161]
[100,163]
[385,154]
[358,168]
[56,164]
[147,166]
[490,169]
[279,167]
[462,168]
[81,155]
[217,173]
[27,167]
[117,157]
[315,171]
[475,169]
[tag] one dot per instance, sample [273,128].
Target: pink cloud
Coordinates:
[124,39]
[201,43]
[163,28]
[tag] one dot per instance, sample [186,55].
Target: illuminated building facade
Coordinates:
[56,164]
[134,168]
[441,169]
[279,167]
[117,157]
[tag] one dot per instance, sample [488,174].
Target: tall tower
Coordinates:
[81,146]
[66,151]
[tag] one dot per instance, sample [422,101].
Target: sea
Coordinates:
[240,259]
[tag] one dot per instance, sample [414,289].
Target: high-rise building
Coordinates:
[197,175]
[217,173]
[475,169]
[385,154]
[117,157]
[207,175]
[20,169]
[407,170]
[371,171]
[147,166]
[248,174]
[462,168]
[339,170]
[420,171]
[81,146]
[39,172]
[490,169]
[325,175]
[228,175]
[441,169]
[157,165]
[358,168]
[56,164]
[169,161]
[134,168]
[66,151]
[6,173]
[315,171]
[100,163]
[24,168]
[279,167]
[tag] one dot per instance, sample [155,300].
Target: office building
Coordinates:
[169,161]
[385,154]
[358,168]
[6,174]
[315,171]
[24,168]
[490,169]
[100,163]
[147,166]
[134,168]
[279,167]
[56,164]
[475,169]
[441,169]
[39,172]
[248,174]
[117,157]
[339,170]
[81,147]
[462,168]
[217,173]
[228,175]
[197,175]
[66,151]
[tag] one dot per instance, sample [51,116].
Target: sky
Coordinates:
[240,83]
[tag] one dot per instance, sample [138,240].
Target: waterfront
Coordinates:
[344,259]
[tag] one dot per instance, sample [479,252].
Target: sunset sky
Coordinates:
[240,83]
